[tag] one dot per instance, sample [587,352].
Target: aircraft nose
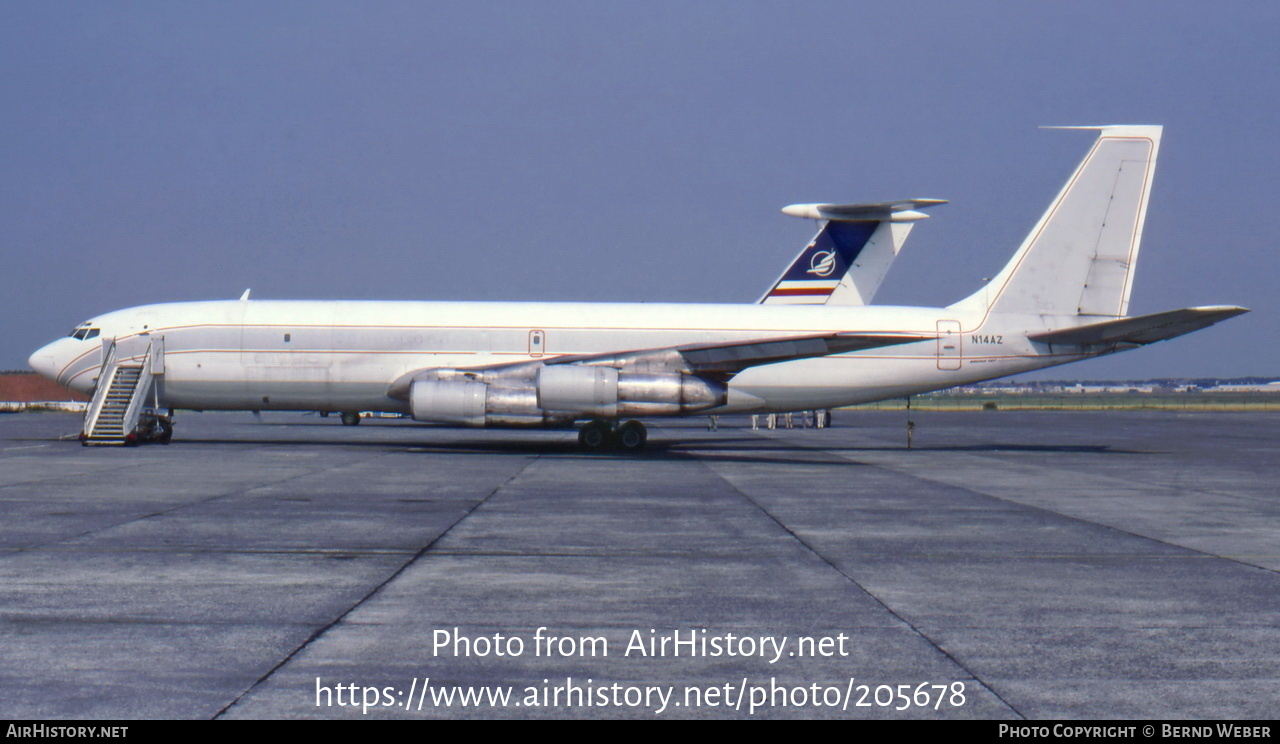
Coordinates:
[44,361]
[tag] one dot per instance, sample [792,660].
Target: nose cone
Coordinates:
[44,361]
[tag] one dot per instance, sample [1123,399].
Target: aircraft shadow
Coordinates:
[746,449]
[1094,449]
[751,449]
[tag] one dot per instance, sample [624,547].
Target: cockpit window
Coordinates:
[84,332]
[93,333]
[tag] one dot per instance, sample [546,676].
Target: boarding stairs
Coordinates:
[123,410]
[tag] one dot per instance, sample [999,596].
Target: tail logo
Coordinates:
[822,263]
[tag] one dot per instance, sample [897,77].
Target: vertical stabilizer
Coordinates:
[847,260]
[1079,259]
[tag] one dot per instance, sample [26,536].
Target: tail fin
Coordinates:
[1080,257]
[847,260]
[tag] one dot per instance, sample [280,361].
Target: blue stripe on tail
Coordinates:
[831,253]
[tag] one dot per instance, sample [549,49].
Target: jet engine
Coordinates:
[559,394]
[606,392]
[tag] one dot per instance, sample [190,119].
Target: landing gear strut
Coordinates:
[599,435]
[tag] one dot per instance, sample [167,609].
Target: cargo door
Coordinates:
[950,345]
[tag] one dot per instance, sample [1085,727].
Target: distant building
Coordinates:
[20,390]
[1270,387]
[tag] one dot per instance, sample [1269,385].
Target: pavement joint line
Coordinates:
[358,603]
[201,550]
[113,621]
[174,508]
[1120,626]
[620,555]
[924,477]
[900,618]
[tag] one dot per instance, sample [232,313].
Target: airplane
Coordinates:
[1062,297]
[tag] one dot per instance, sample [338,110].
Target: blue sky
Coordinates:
[615,151]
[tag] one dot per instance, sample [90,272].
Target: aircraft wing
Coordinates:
[718,360]
[1141,329]
[731,357]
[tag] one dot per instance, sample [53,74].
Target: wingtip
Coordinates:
[1227,311]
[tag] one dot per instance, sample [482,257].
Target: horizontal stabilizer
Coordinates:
[1142,329]
[893,211]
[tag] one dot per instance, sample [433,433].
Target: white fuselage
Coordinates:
[343,355]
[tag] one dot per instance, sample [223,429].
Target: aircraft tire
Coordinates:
[631,436]
[350,418]
[595,436]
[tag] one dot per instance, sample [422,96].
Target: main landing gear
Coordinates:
[153,428]
[350,418]
[599,435]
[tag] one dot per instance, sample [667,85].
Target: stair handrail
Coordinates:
[106,373]
[141,392]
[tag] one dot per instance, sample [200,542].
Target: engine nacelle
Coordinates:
[559,394]
[578,388]
[449,401]
[606,392]
[468,402]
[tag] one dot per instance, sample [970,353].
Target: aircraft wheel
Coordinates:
[350,418]
[631,436]
[594,436]
[166,432]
